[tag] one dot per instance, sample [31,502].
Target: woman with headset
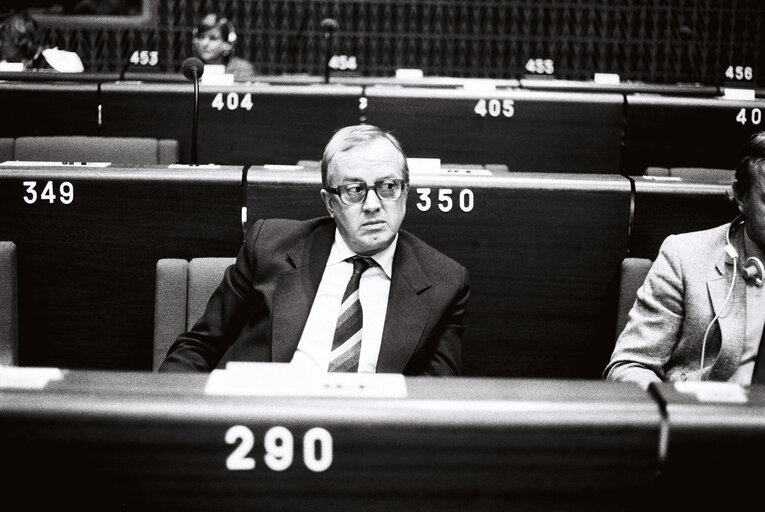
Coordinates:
[700,314]
[214,40]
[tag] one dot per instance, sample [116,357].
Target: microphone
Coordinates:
[686,34]
[329,26]
[193,69]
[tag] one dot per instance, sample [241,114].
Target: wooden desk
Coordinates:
[529,131]
[687,132]
[238,124]
[716,438]
[104,440]
[86,266]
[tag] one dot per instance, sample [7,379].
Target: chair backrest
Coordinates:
[6,149]
[182,291]
[633,273]
[703,174]
[656,171]
[117,150]
[9,352]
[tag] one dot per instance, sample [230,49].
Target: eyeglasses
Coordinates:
[356,193]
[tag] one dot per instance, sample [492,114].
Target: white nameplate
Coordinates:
[409,74]
[424,165]
[283,379]
[42,163]
[733,93]
[714,391]
[465,172]
[14,377]
[606,78]
[191,166]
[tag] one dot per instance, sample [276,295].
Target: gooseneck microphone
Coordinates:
[686,35]
[193,69]
[329,26]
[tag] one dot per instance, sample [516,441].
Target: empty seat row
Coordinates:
[75,148]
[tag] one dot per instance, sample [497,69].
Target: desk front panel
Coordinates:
[543,253]
[31,109]
[716,440]
[238,124]
[88,245]
[687,132]
[101,442]
[526,130]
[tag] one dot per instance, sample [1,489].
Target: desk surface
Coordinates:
[147,440]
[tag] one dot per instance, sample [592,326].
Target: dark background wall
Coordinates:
[658,41]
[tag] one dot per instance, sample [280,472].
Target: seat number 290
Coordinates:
[279,444]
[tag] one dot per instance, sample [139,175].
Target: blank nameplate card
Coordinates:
[460,171]
[424,165]
[191,166]
[283,379]
[42,163]
[14,377]
[714,391]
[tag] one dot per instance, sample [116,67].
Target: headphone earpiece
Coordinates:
[231,32]
[753,271]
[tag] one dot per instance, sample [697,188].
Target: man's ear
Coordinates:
[739,197]
[327,198]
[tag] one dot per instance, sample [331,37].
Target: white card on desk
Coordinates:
[43,163]
[192,166]
[713,391]
[283,379]
[15,377]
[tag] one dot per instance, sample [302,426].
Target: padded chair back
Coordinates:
[703,174]
[633,273]
[117,150]
[182,291]
[656,171]
[9,353]
[6,149]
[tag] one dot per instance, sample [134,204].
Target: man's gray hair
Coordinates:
[357,135]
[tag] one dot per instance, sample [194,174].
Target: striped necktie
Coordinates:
[346,345]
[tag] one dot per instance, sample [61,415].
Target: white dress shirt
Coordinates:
[315,344]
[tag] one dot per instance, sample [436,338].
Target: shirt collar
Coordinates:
[341,252]
[751,248]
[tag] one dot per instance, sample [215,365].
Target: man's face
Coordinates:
[753,206]
[370,226]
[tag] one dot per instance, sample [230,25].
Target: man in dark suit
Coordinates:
[349,292]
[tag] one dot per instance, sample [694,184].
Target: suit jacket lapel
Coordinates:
[295,291]
[407,313]
[732,319]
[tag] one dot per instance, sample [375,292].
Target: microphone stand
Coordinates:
[328,56]
[330,26]
[196,119]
